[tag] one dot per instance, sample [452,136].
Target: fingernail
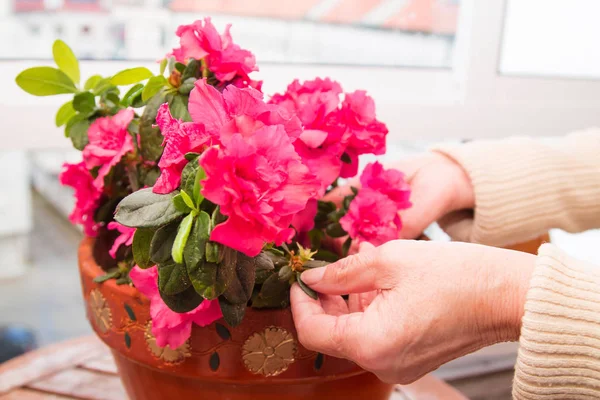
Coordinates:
[312,276]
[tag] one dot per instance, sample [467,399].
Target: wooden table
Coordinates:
[84,369]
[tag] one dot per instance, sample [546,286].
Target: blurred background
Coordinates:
[439,70]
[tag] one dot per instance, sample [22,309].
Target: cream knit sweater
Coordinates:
[523,187]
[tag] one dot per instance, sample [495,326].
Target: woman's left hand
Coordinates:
[413,305]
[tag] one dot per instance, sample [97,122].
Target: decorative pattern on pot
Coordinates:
[100,310]
[166,354]
[269,352]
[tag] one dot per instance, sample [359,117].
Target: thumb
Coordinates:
[358,273]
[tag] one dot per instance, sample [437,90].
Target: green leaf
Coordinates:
[315,264]
[204,279]
[190,156]
[180,67]
[132,94]
[264,262]
[311,293]
[200,176]
[84,102]
[111,99]
[102,86]
[172,278]
[163,65]
[195,247]
[91,82]
[192,70]
[153,86]
[188,179]
[180,205]
[66,60]
[182,237]
[346,246]
[187,199]
[45,81]
[183,302]
[162,243]
[354,190]
[232,313]
[212,252]
[316,237]
[131,76]
[78,132]
[346,158]
[187,86]
[285,273]
[113,274]
[179,108]
[239,289]
[326,255]
[145,209]
[65,113]
[150,137]
[335,230]
[274,293]
[142,239]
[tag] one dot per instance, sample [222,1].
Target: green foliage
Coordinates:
[78,132]
[311,293]
[204,279]
[180,204]
[45,81]
[192,70]
[183,232]
[153,86]
[191,176]
[91,82]
[150,136]
[183,302]
[131,76]
[112,274]
[65,113]
[84,102]
[193,253]
[142,239]
[162,243]
[239,289]
[172,278]
[232,313]
[178,105]
[145,209]
[66,60]
[132,94]
[274,293]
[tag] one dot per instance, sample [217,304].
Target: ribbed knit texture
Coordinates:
[525,186]
[559,355]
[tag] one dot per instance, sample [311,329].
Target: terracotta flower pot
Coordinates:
[260,359]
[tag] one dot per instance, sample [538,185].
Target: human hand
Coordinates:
[414,305]
[438,186]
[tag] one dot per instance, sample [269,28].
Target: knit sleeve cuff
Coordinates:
[524,187]
[559,355]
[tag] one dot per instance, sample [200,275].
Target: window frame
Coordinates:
[470,100]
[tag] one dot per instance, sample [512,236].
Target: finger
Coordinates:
[357,273]
[318,331]
[333,305]
[365,246]
[359,302]
[337,195]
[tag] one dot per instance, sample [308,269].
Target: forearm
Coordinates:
[524,187]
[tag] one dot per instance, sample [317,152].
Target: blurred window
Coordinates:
[417,33]
[557,38]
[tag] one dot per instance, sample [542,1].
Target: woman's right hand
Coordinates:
[438,184]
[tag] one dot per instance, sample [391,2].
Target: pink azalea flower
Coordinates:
[365,134]
[224,58]
[87,196]
[372,217]
[180,138]
[237,111]
[389,182]
[171,328]
[109,141]
[125,238]
[260,183]
[321,145]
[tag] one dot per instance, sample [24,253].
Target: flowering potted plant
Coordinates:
[202,203]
